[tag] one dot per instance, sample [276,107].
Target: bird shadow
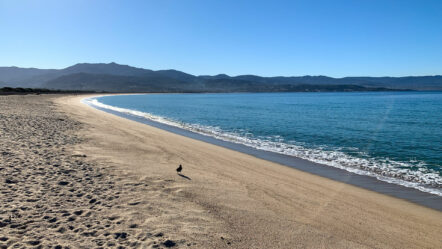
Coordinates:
[183,176]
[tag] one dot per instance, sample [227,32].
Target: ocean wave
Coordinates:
[383,169]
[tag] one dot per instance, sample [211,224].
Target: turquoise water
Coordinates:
[393,136]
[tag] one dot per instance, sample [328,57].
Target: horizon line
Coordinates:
[238,75]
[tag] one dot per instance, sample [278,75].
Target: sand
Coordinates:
[57,155]
[53,196]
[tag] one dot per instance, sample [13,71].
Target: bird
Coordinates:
[179,169]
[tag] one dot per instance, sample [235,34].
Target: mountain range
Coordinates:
[114,77]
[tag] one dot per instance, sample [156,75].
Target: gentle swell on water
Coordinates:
[383,169]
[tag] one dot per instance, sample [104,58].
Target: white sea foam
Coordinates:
[383,169]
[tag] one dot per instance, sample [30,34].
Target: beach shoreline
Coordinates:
[360,180]
[254,202]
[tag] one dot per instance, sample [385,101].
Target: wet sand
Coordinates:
[225,199]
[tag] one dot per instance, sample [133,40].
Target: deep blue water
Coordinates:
[394,136]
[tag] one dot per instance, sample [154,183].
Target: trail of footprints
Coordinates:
[52,198]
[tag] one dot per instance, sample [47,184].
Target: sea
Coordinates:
[395,137]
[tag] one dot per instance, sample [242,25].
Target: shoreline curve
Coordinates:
[366,182]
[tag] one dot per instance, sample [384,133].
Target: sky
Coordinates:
[207,37]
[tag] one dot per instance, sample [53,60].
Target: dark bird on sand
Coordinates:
[179,169]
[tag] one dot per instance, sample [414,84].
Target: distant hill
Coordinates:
[116,83]
[114,77]
[24,91]
[15,76]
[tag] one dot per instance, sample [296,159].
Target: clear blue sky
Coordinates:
[334,38]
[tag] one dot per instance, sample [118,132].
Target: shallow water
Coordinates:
[393,136]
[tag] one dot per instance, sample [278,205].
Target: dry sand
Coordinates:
[56,159]
[54,197]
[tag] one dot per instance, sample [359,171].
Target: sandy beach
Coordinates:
[77,177]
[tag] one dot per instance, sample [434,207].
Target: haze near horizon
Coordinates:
[283,38]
